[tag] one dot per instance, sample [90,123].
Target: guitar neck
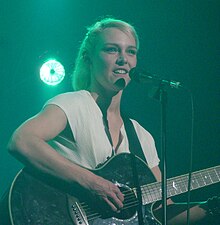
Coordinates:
[179,185]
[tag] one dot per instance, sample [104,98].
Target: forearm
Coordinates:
[36,153]
[177,213]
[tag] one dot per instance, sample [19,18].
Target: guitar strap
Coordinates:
[134,143]
[135,149]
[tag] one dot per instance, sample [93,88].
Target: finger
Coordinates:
[112,206]
[120,196]
[118,193]
[116,200]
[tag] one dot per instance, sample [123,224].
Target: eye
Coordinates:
[132,51]
[111,49]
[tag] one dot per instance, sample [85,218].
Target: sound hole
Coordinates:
[130,204]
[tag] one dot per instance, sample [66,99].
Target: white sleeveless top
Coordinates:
[91,145]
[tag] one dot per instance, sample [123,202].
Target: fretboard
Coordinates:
[179,185]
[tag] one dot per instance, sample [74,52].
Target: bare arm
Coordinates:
[29,145]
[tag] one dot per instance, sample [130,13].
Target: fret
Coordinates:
[196,178]
[186,179]
[194,184]
[159,192]
[183,183]
[215,177]
[146,193]
[170,191]
[179,185]
[211,173]
[201,180]
[217,171]
[151,193]
[207,178]
[210,176]
[156,194]
[175,188]
[150,196]
[155,197]
[145,196]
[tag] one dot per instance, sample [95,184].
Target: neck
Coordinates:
[108,104]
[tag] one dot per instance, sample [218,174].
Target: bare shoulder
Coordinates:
[47,124]
[51,112]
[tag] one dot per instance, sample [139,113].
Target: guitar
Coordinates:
[35,199]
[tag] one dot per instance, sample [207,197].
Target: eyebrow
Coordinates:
[115,44]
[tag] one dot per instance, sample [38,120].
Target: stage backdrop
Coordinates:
[179,41]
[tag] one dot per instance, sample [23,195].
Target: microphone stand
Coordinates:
[161,95]
[163,101]
[138,188]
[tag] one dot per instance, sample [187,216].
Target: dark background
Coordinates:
[179,41]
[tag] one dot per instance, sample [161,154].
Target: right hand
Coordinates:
[108,192]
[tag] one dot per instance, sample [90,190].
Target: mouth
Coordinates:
[120,71]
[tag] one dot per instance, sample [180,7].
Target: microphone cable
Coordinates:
[191,156]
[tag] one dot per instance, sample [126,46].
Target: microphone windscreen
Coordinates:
[133,73]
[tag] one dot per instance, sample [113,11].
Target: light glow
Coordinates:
[52,72]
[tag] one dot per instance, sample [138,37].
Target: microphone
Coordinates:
[141,76]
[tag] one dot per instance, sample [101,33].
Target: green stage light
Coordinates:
[52,72]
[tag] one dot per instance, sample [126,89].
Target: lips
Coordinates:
[120,71]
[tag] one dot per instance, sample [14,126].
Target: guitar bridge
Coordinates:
[76,212]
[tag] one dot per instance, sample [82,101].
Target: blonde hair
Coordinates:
[81,74]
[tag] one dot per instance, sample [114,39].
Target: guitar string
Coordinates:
[180,184]
[97,215]
[151,191]
[130,202]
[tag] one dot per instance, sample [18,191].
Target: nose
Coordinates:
[121,60]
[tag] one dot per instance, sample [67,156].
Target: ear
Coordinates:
[86,57]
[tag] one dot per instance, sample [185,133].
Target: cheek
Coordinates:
[100,68]
[100,61]
[103,65]
[133,62]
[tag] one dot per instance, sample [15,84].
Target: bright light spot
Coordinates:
[52,72]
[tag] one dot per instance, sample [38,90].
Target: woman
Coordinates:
[80,130]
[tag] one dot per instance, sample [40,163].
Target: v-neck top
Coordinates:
[90,145]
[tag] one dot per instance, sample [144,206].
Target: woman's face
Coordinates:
[113,57]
